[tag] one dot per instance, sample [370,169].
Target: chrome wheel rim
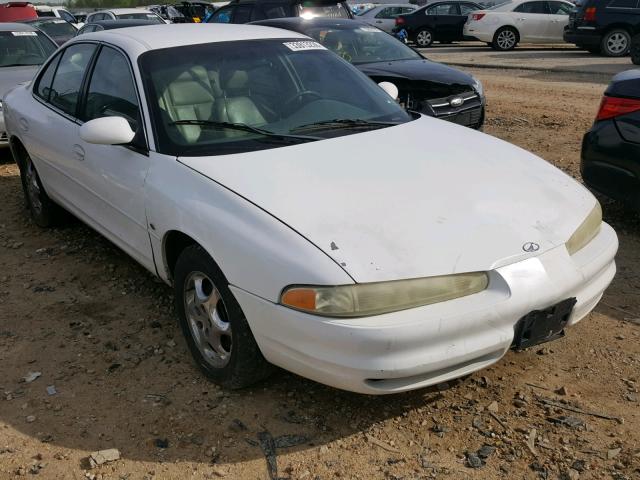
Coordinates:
[506,39]
[33,188]
[424,38]
[207,319]
[617,43]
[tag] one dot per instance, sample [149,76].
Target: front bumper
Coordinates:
[424,346]
[610,164]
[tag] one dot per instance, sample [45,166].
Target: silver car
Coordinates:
[384,16]
[23,49]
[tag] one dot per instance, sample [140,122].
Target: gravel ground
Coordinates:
[115,372]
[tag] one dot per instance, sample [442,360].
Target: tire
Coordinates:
[44,211]
[616,43]
[424,38]
[505,39]
[213,324]
[635,50]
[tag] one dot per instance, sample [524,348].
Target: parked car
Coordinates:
[59,30]
[17,11]
[520,21]
[384,16]
[245,11]
[81,17]
[22,50]
[196,11]
[169,13]
[423,86]
[46,11]
[610,150]
[371,221]
[112,24]
[635,50]
[437,22]
[604,27]
[124,14]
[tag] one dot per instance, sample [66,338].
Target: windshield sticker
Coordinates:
[24,34]
[304,45]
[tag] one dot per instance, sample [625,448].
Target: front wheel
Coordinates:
[213,324]
[424,38]
[505,39]
[616,43]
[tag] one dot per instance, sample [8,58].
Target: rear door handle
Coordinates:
[78,152]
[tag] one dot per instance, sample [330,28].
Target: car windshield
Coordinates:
[24,48]
[56,28]
[230,97]
[311,10]
[364,44]
[152,17]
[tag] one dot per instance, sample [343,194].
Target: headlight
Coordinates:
[586,231]
[377,298]
[477,84]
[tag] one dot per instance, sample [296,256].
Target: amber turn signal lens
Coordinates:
[302,298]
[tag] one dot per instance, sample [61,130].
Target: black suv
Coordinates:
[441,21]
[604,26]
[245,11]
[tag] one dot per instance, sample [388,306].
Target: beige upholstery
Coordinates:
[236,105]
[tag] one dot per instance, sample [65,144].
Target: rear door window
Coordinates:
[276,10]
[67,81]
[559,8]
[43,87]
[532,7]
[443,9]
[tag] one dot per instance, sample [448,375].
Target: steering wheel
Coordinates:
[297,100]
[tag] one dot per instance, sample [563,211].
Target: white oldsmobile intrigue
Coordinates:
[520,21]
[258,173]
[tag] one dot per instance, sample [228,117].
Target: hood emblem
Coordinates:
[456,101]
[530,247]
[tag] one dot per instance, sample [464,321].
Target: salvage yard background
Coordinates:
[102,333]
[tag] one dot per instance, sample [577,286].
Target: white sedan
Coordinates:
[258,173]
[520,21]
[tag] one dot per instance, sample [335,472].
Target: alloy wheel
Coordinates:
[207,319]
[423,38]
[617,43]
[506,39]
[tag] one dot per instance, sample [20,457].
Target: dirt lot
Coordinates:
[101,331]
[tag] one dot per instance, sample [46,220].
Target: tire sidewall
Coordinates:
[604,48]
[418,34]
[195,259]
[498,32]
[46,217]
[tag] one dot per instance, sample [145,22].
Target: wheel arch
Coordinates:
[18,150]
[173,244]
[624,26]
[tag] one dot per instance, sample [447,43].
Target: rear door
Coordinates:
[448,21]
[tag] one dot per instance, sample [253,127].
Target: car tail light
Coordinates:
[399,21]
[590,14]
[477,16]
[612,107]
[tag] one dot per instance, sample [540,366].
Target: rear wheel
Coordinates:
[213,324]
[616,43]
[43,210]
[505,39]
[424,38]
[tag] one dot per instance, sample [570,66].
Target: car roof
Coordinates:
[117,11]
[299,24]
[109,24]
[44,20]
[16,27]
[137,40]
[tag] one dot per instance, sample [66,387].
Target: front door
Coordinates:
[531,19]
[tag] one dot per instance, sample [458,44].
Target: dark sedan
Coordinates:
[611,149]
[437,22]
[424,86]
[57,29]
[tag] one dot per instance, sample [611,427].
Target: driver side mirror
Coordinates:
[107,131]
[390,88]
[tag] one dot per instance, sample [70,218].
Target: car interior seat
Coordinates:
[236,105]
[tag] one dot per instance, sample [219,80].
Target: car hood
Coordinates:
[418,69]
[424,198]
[12,76]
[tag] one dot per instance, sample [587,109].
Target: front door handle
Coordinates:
[78,152]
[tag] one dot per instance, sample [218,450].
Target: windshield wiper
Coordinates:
[243,127]
[342,123]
